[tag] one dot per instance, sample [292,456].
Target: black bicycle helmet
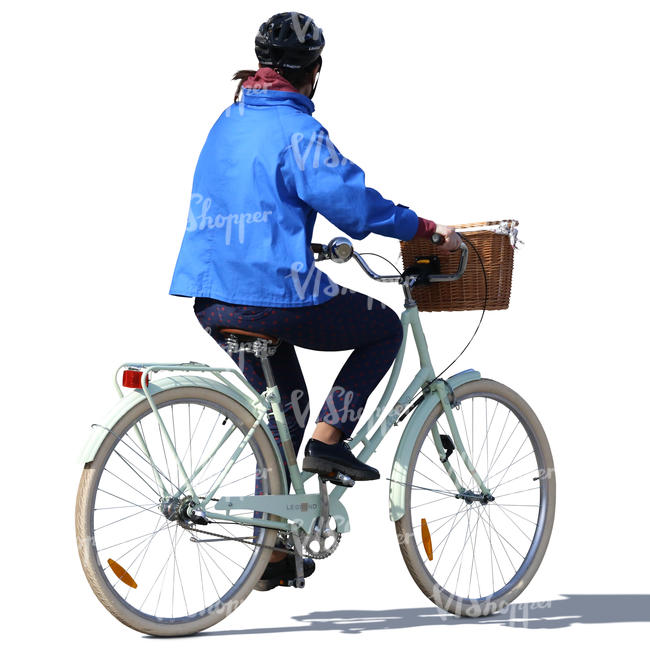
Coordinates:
[289,40]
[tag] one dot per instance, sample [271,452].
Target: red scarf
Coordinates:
[269,79]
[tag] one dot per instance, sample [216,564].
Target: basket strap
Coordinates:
[500,227]
[505,227]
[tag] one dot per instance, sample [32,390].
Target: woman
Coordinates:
[267,168]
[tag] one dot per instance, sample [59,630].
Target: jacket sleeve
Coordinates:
[335,187]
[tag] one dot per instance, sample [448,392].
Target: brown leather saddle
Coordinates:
[247,335]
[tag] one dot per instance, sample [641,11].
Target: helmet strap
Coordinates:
[313,90]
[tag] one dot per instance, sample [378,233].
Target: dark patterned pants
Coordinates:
[348,321]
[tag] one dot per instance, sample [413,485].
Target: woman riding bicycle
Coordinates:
[267,168]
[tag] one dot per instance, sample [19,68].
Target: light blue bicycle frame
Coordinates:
[300,510]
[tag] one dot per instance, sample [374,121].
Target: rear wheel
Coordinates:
[473,558]
[139,547]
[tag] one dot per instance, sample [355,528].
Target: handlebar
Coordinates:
[340,250]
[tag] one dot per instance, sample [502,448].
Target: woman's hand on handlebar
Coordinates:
[451,239]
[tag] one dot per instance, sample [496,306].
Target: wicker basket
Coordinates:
[495,242]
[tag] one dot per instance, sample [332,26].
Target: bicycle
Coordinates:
[169,551]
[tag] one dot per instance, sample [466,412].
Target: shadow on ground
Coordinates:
[569,609]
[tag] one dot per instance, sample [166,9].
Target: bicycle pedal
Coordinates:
[299,583]
[338,478]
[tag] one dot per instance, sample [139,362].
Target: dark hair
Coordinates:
[296,77]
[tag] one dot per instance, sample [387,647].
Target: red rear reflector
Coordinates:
[133,379]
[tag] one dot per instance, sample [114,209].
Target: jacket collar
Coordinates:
[268,88]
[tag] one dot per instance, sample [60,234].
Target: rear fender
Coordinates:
[135,397]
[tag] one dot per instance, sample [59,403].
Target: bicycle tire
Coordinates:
[417,560]
[100,578]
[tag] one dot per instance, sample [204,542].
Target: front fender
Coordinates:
[397,490]
[100,431]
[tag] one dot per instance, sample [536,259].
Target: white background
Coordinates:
[462,110]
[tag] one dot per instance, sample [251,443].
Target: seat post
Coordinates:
[266,368]
[264,346]
[273,395]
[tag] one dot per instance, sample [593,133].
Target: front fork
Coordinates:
[441,387]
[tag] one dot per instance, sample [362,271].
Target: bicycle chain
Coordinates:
[307,552]
[234,539]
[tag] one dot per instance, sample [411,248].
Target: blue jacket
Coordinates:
[267,168]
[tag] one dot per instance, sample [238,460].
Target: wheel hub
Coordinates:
[469,497]
[182,510]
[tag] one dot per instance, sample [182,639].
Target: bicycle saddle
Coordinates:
[247,335]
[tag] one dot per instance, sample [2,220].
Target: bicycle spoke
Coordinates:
[205,566]
[163,568]
[488,479]
[205,446]
[106,548]
[431,521]
[135,505]
[132,505]
[493,555]
[504,446]
[473,565]
[132,468]
[462,549]
[436,463]
[135,514]
[533,489]
[419,487]
[178,469]
[530,521]
[529,538]
[442,488]
[151,464]
[144,551]
[420,505]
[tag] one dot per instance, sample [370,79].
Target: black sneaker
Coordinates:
[282,572]
[325,459]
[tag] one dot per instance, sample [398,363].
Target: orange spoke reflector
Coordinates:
[122,573]
[426,539]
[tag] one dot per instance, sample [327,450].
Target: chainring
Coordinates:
[321,539]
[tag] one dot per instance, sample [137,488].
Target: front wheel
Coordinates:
[473,558]
[152,566]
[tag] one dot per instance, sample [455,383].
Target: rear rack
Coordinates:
[190,366]
[260,403]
